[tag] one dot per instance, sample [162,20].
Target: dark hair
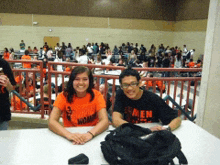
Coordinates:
[69,45]
[178,56]
[12,50]
[28,79]
[26,52]
[129,72]
[6,49]
[70,91]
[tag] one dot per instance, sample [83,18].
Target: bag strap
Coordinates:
[182,159]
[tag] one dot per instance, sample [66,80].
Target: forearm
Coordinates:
[117,119]
[57,128]
[100,127]
[175,123]
[9,87]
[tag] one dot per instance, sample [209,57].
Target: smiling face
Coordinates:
[81,84]
[132,91]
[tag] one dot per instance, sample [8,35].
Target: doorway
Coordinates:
[52,41]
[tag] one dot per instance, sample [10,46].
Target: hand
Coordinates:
[4,81]
[77,138]
[157,128]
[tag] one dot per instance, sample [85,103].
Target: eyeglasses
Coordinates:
[132,84]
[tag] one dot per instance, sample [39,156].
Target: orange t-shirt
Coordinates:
[159,84]
[6,55]
[81,112]
[198,65]
[67,69]
[18,79]
[26,57]
[191,64]
[15,103]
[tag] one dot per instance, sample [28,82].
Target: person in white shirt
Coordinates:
[89,49]
[192,53]
[184,51]
[57,49]
[50,53]
[83,58]
[98,71]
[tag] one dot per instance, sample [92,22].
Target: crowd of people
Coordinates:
[81,82]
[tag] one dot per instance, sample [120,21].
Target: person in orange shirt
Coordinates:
[6,54]
[199,64]
[28,91]
[26,57]
[160,85]
[16,102]
[80,105]
[191,64]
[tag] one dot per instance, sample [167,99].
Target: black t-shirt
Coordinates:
[166,63]
[151,61]
[5,113]
[149,108]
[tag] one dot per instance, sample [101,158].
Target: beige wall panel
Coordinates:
[141,24]
[193,40]
[33,36]
[71,21]
[93,22]
[16,19]
[191,25]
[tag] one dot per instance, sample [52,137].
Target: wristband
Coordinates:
[91,134]
[167,127]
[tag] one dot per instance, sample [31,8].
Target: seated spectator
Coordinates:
[12,53]
[29,49]
[35,50]
[115,50]
[121,63]
[19,79]
[149,84]
[50,53]
[110,64]
[137,64]
[40,53]
[81,105]
[6,54]
[28,90]
[151,61]
[132,58]
[98,71]
[83,58]
[26,56]
[108,57]
[191,64]
[144,73]
[198,64]
[16,102]
[46,97]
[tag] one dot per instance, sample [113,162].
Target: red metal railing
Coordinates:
[174,85]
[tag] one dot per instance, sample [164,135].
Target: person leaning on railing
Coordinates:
[81,105]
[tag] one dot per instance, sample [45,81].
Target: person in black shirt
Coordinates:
[151,60]
[7,82]
[134,105]
[166,64]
